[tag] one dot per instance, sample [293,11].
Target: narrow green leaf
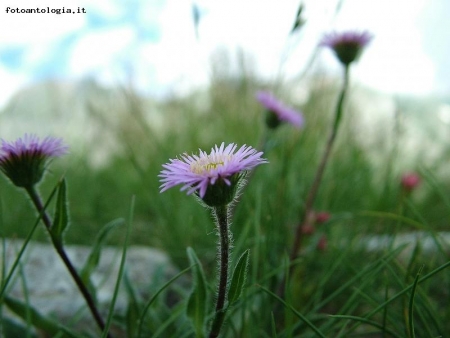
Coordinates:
[411,304]
[61,219]
[435,185]
[372,268]
[298,314]
[174,316]
[6,280]
[239,277]
[94,257]
[392,216]
[132,314]
[368,322]
[401,293]
[121,269]
[150,302]
[196,306]
[274,326]
[13,329]
[38,320]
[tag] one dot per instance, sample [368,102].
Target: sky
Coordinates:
[154,44]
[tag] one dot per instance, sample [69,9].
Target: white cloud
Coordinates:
[258,27]
[395,61]
[107,8]
[9,83]
[398,65]
[98,50]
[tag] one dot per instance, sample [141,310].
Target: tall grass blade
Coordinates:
[12,329]
[6,281]
[433,182]
[411,304]
[274,326]
[298,314]
[132,313]
[173,317]
[150,302]
[401,293]
[372,268]
[38,320]
[368,322]
[197,302]
[121,270]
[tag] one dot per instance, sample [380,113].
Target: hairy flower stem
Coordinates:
[34,195]
[308,217]
[221,214]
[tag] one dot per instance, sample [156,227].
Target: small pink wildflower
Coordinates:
[347,45]
[278,111]
[24,160]
[410,181]
[308,229]
[322,217]
[322,244]
[214,176]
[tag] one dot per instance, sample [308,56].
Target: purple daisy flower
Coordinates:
[215,177]
[278,112]
[347,45]
[23,161]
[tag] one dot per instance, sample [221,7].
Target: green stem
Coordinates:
[6,281]
[221,214]
[34,195]
[308,213]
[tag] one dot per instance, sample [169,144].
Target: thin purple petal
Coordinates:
[31,144]
[197,172]
[24,160]
[333,39]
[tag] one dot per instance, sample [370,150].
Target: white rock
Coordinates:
[51,289]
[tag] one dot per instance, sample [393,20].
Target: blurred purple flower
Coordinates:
[24,160]
[278,110]
[347,45]
[211,175]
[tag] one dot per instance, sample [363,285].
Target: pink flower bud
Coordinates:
[322,244]
[322,217]
[308,229]
[410,181]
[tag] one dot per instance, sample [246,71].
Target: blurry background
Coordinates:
[165,48]
[131,84]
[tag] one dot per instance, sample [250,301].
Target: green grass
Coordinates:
[342,292]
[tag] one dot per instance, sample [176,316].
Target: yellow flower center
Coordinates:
[206,164]
[213,165]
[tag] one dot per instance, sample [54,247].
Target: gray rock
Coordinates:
[52,291]
[428,242]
